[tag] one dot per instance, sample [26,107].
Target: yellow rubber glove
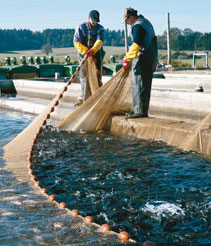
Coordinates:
[80,47]
[132,52]
[97,45]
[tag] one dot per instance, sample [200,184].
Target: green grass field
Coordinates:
[60,53]
[200,62]
[119,52]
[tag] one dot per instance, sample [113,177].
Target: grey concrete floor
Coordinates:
[172,97]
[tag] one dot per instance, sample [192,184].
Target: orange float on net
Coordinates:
[88,219]
[37,183]
[52,109]
[31,171]
[74,212]
[30,166]
[62,205]
[148,243]
[34,177]
[105,227]
[44,190]
[123,235]
[51,198]
[48,116]
[73,76]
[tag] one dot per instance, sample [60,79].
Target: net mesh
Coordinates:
[197,140]
[91,115]
[94,112]
[112,98]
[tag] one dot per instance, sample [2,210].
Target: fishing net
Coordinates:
[91,115]
[199,138]
[114,97]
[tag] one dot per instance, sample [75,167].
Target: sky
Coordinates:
[38,15]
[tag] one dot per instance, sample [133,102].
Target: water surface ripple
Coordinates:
[153,191]
[26,217]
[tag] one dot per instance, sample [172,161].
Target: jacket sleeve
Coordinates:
[133,52]
[80,47]
[97,45]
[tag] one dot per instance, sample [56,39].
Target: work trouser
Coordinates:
[142,72]
[86,92]
[141,88]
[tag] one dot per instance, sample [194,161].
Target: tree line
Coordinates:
[185,40]
[24,39]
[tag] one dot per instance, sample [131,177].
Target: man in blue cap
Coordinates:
[142,57]
[88,40]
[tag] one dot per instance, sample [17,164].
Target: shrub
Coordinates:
[179,64]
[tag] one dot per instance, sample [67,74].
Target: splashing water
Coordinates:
[161,209]
[153,191]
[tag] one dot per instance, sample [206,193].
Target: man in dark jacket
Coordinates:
[88,40]
[142,58]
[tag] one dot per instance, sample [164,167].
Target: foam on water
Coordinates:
[153,191]
[162,209]
[148,189]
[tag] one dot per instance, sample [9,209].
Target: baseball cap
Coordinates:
[128,12]
[94,15]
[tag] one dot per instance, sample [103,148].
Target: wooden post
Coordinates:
[168,40]
[126,43]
